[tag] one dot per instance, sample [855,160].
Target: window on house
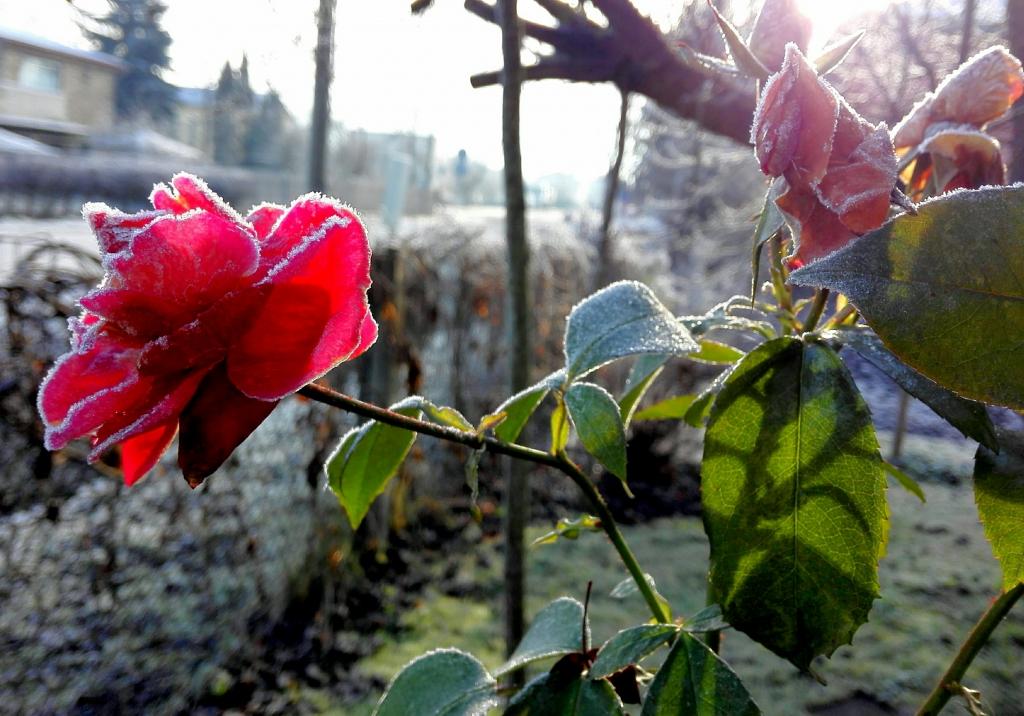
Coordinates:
[39,74]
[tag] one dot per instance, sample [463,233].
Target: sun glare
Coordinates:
[833,19]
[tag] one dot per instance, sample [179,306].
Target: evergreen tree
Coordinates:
[131,31]
[264,142]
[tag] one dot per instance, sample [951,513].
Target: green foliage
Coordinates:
[557,630]
[629,646]
[621,320]
[942,289]
[906,481]
[511,416]
[446,682]
[769,222]
[569,529]
[967,416]
[673,408]
[554,694]
[645,371]
[794,500]
[694,681]
[746,61]
[715,352]
[722,317]
[707,619]
[367,458]
[833,55]
[999,493]
[595,415]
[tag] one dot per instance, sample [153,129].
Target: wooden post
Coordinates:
[324,55]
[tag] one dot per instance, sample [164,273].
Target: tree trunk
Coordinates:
[967,30]
[605,247]
[324,55]
[517,310]
[1015,38]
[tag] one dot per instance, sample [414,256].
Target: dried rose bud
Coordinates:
[957,157]
[840,169]
[980,90]
[779,23]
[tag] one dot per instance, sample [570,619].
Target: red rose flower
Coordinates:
[204,321]
[840,169]
[980,90]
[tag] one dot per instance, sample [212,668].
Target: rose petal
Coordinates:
[188,192]
[778,23]
[263,217]
[164,400]
[819,229]
[795,121]
[140,453]
[859,191]
[313,318]
[84,385]
[217,421]
[113,228]
[980,90]
[207,338]
[306,216]
[182,264]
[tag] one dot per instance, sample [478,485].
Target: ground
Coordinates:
[937,578]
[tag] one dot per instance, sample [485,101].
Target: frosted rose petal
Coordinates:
[217,421]
[313,318]
[139,454]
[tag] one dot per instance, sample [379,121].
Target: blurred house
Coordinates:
[364,164]
[193,121]
[53,93]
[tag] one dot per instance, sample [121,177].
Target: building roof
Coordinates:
[39,43]
[195,96]
[11,143]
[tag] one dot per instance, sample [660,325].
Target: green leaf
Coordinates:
[520,407]
[700,408]
[720,317]
[595,415]
[794,500]
[769,222]
[629,646]
[695,681]
[553,695]
[673,408]
[367,458]
[569,529]
[969,417]
[906,481]
[446,682]
[444,415]
[999,493]
[715,352]
[623,319]
[627,588]
[559,427]
[556,630]
[707,619]
[644,372]
[943,290]
[745,60]
[834,54]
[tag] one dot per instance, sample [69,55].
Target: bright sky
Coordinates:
[393,72]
